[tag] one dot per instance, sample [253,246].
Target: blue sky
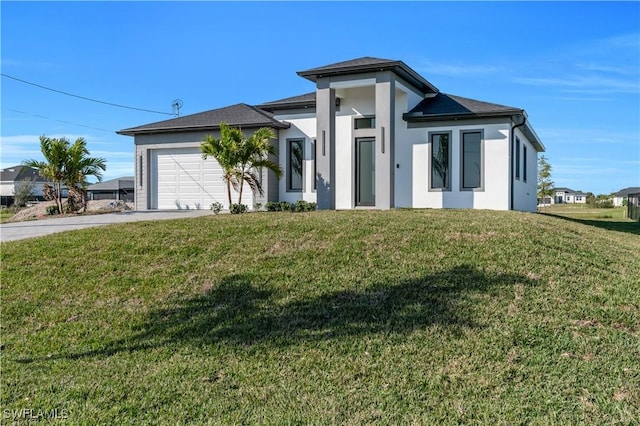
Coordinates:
[574,67]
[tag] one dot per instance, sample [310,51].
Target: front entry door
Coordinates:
[365,172]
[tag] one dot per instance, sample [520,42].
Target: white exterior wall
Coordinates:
[303,126]
[525,192]
[495,192]
[405,139]
[8,189]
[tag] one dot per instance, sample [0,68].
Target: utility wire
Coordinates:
[60,121]
[83,97]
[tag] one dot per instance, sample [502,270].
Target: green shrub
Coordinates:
[216,207]
[238,208]
[272,206]
[606,204]
[257,206]
[285,206]
[304,206]
[51,210]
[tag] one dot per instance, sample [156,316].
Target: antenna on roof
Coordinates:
[176,105]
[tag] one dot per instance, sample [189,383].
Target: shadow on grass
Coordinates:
[238,312]
[610,225]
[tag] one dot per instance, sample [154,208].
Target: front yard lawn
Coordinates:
[359,317]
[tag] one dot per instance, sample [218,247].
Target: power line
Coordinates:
[83,97]
[60,121]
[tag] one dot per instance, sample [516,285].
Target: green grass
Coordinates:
[583,211]
[5,215]
[360,317]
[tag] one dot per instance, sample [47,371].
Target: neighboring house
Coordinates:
[619,197]
[12,177]
[373,134]
[121,188]
[545,201]
[569,196]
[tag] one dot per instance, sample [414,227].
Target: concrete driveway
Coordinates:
[37,228]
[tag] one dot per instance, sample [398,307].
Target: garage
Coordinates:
[182,179]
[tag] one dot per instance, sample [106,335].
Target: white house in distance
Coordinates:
[373,134]
[569,196]
[619,197]
[12,177]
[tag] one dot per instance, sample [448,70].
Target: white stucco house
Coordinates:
[569,196]
[372,134]
[619,197]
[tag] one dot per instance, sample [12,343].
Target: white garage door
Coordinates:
[181,179]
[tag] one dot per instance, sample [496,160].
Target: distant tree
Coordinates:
[23,192]
[545,184]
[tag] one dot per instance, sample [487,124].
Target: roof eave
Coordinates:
[287,106]
[399,67]
[456,116]
[134,131]
[528,129]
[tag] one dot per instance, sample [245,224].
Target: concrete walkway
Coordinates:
[37,228]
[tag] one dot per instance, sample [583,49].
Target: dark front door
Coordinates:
[366,172]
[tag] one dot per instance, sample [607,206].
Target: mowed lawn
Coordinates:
[352,317]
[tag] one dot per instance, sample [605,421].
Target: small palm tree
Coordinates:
[78,166]
[253,156]
[55,154]
[67,164]
[225,151]
[241,158]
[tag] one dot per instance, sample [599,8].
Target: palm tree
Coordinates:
[225,151]
[253,156]
[241,158]
[68,164]
[55,154]
[78,166]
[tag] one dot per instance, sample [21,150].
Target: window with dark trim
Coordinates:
[524,163]
[295,157]
[472,160]
[440,160]
[364,123]
[517,149]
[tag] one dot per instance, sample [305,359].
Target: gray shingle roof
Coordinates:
[443,105]
[568,191]
[626,191]
[308,100]
[19,173]
[364,62]
[113,184]
[239,115]
[369,64]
